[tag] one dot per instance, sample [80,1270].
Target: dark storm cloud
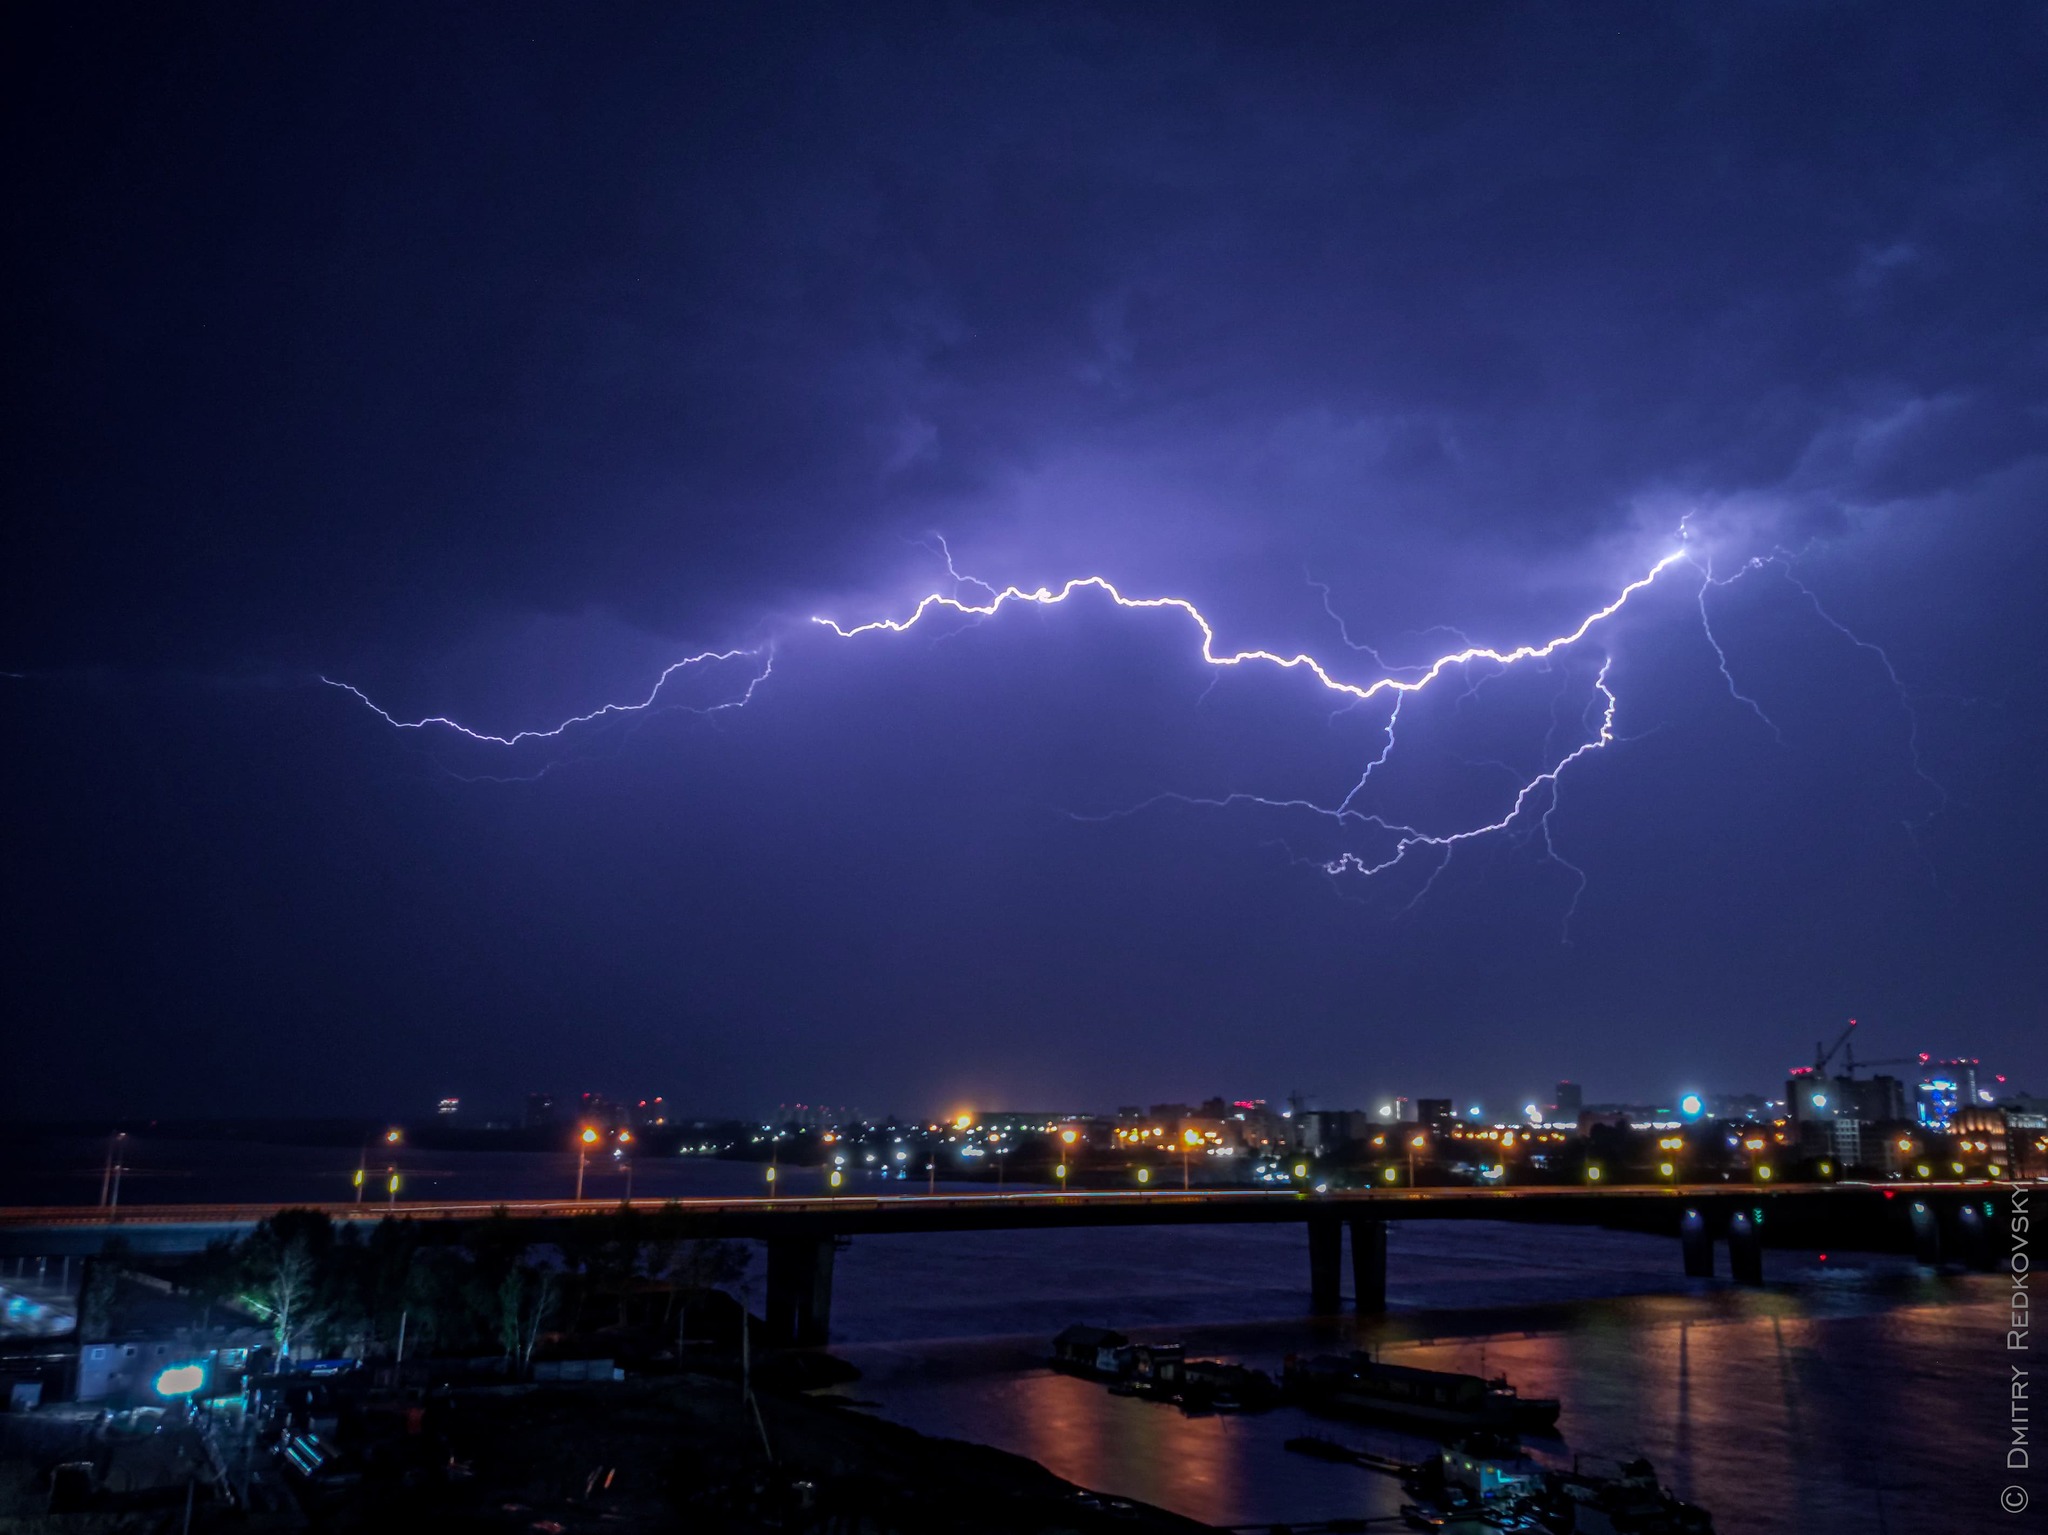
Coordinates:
[493,360]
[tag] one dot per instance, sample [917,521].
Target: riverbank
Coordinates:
[627,1457]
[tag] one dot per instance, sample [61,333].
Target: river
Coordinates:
[1854,1394]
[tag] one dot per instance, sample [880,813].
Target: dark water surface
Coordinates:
[1859,1394]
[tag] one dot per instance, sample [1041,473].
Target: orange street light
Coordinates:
[584,1142]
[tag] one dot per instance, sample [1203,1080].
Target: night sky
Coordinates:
[492,358]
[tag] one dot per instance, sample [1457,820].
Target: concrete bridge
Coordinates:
[1932,1221]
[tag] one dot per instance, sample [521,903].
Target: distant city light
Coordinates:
[1533,1112]
[1692,1106]
[1820,1100]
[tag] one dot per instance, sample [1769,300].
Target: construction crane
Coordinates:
[1822,1057]
[1824,1054]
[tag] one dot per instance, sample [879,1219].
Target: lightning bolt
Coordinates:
[1526,816]
[1537,797]
[1300,661]
[765,655]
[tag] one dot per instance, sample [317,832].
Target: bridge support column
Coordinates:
[1926,1234]
[1745,1248]
[1696,1244]
[1325,1264]
[1973,1237]
[1368,1265]
[800,1291]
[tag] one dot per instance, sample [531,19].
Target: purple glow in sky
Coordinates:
[1634,413]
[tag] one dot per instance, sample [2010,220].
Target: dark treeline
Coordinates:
[337,1291]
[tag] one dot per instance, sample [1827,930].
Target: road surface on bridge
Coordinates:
[167,1227]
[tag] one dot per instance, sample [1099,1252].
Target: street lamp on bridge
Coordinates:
[110,1181]
[584,1142]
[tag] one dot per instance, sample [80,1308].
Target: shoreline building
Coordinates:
[1846,1119]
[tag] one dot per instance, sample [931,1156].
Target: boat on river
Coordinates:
[1432,1401]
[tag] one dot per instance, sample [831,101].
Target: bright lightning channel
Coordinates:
[1533,804]
[1301,661]
[1538,791]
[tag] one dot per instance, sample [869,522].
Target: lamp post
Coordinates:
[1189,1139]
[110,1180]
[392,1138]
[584,1142]
[1415,1144]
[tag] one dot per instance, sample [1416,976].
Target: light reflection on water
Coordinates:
[1866,1395]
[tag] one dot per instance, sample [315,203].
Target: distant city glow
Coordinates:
[1691,1106]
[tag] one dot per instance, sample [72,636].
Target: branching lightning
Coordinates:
[765,655]
[1526,815]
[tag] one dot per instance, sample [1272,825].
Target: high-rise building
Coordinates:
[1937,1098]
[1433,1111]
[540,1110]
[1570,1103]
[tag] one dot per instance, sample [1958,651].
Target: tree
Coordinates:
[286,1257]
[526,1299]
[102,1282]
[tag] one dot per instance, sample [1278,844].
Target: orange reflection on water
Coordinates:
[1079,1430]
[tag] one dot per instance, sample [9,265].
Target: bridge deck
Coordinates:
[55,1229]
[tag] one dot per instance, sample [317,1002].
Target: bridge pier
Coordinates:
[1746,1247]
[1973,1238]
[1325,1264]
[1368,1265]
[1696,1244]
[1926,1234]
[800,1291]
